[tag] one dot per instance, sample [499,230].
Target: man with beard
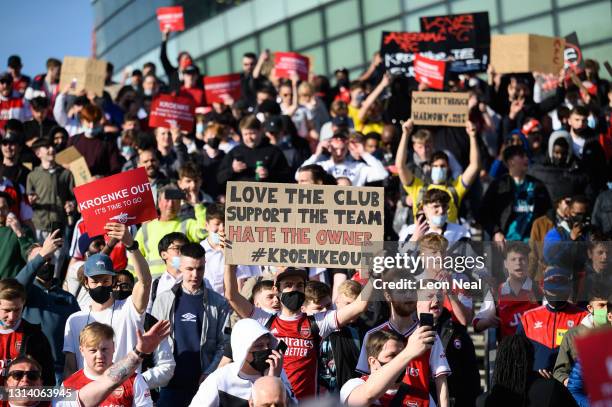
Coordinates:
[404,322]
[47,304]
[126,317]
[546,325]
[149,159]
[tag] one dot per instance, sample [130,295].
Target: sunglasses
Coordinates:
[30,374]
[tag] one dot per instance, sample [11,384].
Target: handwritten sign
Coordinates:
[83,74]
[440,108]
[398,49]
[123,198]
[302,225]
[71,158]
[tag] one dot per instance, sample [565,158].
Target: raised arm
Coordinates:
[406,176]
[241,305]
[95,392]
[357,307]
[263,57]
[142,288]
[471,172]
[376,60]
[363,110]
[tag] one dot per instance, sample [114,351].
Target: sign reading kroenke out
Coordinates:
[172,111]
[301,225]
[122,198]
[440,108]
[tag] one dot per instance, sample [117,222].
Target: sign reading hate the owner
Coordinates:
[301,225]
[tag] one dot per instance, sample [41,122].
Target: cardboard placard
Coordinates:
[71,158]
[398,49]
[172,111]
[171,18]
[215,87]
[514,53]
[123,198]
[596,361]
[285,63]
[83,74]
[440,108]
[430,72]
[301,225]
[467,40]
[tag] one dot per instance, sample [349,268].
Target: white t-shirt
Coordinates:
[577,145]
[74,285]
[214,269]
[166,282]
[122,316]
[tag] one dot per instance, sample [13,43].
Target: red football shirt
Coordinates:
[121,396]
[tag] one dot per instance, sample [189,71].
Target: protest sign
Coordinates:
[301,225]
[514,53]
[430,72]
[171,18]
[398,49]
[71,158]
[596,362]
[572,54]
[172,111]
[287,62]
[83,74]
[467,40]
[216,87]
[440,108]
[123,198]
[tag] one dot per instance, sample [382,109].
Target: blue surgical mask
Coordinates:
[591,122]
[438,220]
[214,238]
[199,128]
[127,151]
[360,97]
[175,262]
[438,175]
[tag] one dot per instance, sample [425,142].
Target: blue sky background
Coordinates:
[39,29]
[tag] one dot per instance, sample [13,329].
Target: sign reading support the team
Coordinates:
[301,225]
[440,108]
[123,198]
[83,74]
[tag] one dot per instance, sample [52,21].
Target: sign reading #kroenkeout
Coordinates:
[123,198]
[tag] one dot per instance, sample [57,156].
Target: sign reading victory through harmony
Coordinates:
[301,225]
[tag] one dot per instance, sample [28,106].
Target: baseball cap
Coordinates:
[98,265]
[42,142]
[11,137]
[556,279]
[14,61]
[340,121]
[85,241]
[292,271]
[273,125]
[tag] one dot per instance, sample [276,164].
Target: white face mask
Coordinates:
[175,262]
[438,220]
[438,175]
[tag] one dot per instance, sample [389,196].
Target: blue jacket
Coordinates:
[48,308]
[575,385]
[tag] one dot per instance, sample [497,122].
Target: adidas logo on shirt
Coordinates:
[188,317]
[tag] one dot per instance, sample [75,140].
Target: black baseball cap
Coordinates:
[273,125]
[11,137]
[14,61]
[42,142]
[341,121]
[292,271]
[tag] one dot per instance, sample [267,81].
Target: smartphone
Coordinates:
[174,194]
[55,226]
[282,346]
[426,319]
[421,217]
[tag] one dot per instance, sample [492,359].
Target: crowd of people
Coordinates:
[150,314]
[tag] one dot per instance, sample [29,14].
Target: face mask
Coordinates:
[175,262]
[591,122]
[148,92]
[259,361]
[127,151]
[343,83]
[213,143]
[399,378]
[90,132]
[199,127]
[45,272]
[121,294]
[4,326]
[600,317]
[214,238]
[438,220]
[101,294]
[438,175]
[360,97]
[293,300]
[577,219]
[582,131]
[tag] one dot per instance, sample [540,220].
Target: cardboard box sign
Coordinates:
[515,53]
[171,18]
[172,111]
[83,74]
[440,108]
[301,225]
[215,87]
[287,62]
[123,198]
[71,158]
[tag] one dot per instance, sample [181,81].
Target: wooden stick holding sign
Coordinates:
[440,108]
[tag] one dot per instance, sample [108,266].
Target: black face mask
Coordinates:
[399,378]
[578,218]
[45,272]
[582,131]
[101,294]
[259,361]
[121,294]
[293,300]
[343,83]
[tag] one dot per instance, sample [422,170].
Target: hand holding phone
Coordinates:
[426,319]
[282,346]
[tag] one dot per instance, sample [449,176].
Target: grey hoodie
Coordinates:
[556,135]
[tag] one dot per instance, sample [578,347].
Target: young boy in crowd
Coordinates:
[169,248]
[264,296]
[190,182]
[318,298]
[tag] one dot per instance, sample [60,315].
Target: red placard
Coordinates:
[595,356]
[285,63]
[171,18]
[429,71]
[123,198]
[172,111]
[216,87]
